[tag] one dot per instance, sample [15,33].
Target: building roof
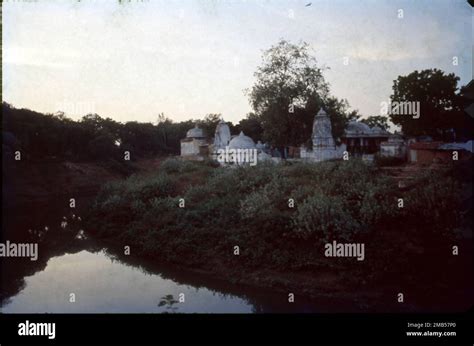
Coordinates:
[359,129]
[241,142]
[322,113]
[195,132]
[457,146]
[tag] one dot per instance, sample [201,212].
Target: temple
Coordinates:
[358,140]
[195,145]
[324,146]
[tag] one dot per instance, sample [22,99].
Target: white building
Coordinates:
[324,146]
[195,145]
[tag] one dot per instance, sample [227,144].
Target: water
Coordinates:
[102,284]
[103,280]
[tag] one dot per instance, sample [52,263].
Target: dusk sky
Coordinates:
[189,58]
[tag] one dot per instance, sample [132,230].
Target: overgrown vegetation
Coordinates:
[251,207]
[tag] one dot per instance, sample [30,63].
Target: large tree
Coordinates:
[288,92]
[209,123]
[440,114]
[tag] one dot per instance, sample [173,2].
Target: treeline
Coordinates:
[93,137]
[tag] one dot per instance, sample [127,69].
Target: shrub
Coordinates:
[174,165]
[323,218]
[435,203]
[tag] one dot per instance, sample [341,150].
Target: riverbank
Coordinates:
[239,225]
[27,183]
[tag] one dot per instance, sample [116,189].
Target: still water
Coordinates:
[103,280]
[102,284]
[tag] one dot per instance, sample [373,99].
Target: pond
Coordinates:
[76,274]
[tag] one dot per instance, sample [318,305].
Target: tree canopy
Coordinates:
[441,114]
[288,92]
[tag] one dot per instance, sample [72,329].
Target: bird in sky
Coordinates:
[308,4]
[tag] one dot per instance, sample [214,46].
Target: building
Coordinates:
[360,139]
[242,142]
[438,152]
[195,145]
[221,136]
[324,146]
[395,147]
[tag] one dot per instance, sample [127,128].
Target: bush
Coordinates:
[435,204]
[323,218]
[174,165]
[248,206]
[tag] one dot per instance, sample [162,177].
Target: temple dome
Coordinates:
[377,130]
[356,127]
[241,142]
[195,132]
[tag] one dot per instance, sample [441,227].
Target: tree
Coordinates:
[169,303]
[285,82]
[251,126]
[376,120]
[465,101]
[439,111]
[289,91]
[209,123]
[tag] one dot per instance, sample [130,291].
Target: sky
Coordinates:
[186,58]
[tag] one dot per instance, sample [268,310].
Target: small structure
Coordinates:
[467,146]
[439,152]
[241,142]
[195,145]
[394,147]
[427,153]
[324,146]
[360,139]
[241,150]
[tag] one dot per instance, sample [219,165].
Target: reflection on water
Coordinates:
[101,284]
[104,280]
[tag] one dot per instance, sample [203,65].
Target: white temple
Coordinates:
[221,135]
[195,145]
[324,146]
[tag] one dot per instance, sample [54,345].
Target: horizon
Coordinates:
[190,59]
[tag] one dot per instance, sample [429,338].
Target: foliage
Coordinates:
[289,91]
[251,126]
[249,206]
[440,108]
[93,138]
[169,302]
